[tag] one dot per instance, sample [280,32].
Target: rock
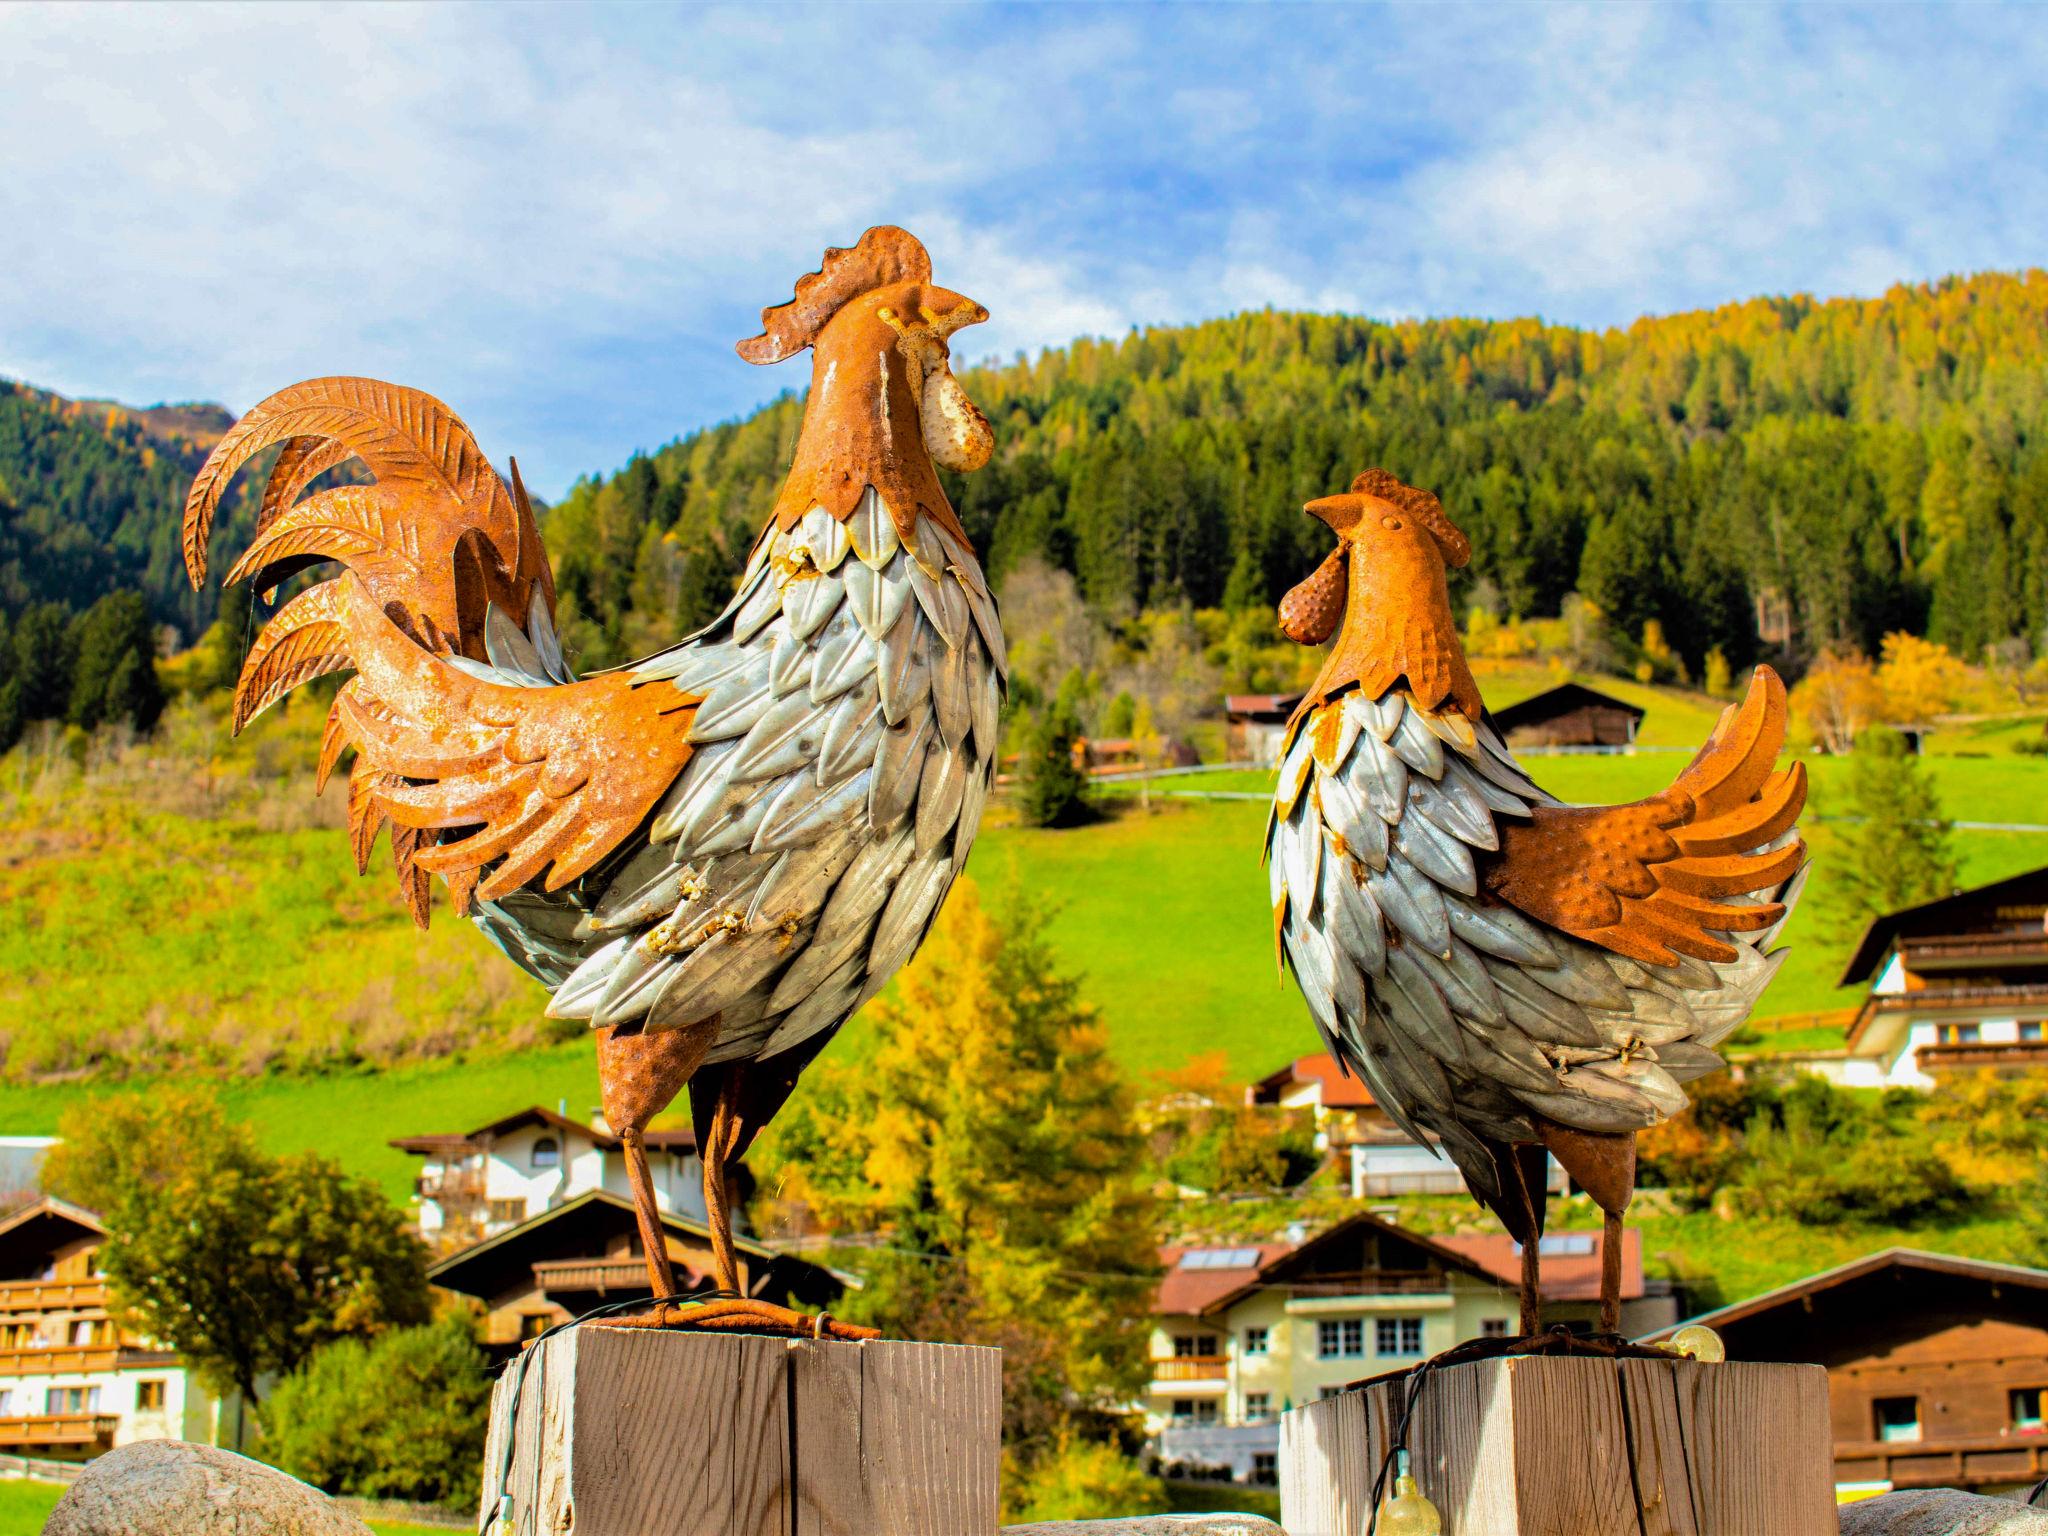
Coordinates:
[1941,1512]
[176,1488]
[1154,1525]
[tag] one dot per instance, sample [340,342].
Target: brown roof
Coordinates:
[1571,1261]
[1340,1089]
[1278,705]
[1799,1293]
[681,1139]
[1561,700]
[1884,931]
[1191,1292]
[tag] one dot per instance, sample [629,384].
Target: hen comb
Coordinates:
[1420,505]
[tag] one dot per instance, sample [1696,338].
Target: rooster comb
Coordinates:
[1420,505]
[884,255]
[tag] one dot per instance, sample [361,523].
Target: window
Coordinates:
[71,1400]
[149,1396]
[2030,1029]
[6,1402]
[1257,1405]
[2026,1409]
[1194,1410]
[1397,1335]
[1493,1328]
[84,1331]
[1265,1467]
[1896,1418]
[1955,1034]
[507,1211]
[1194,1346]
[547,1153]
[1257,1341]
[533,1325]
[1332,1392]
[1344,1340]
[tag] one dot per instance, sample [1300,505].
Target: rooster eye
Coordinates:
[1393,523]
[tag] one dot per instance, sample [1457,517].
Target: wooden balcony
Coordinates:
[1961,1461]
[1994,1001]
[67,1358]
[2001,1055]
[1964,951]
[1191,1368]
[1374,1282]
[53,1295]
[553,1276]
[74,1431]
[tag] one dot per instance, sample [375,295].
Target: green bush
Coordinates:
[401,1418]
[1082,1480]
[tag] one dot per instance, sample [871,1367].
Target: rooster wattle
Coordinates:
[1509,975]
[716,854]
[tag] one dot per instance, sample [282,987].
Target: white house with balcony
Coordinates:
[1955,984]
[74,1383]
[476,1184]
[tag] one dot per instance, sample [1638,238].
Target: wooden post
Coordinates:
[626,1431]
[1538,1446]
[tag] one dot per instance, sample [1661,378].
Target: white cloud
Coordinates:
[561,219]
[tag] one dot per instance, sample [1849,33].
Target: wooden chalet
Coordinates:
[586,1252]
[1956,984]
[1569,715]
[1258,725]
[1937,1366]
[73,1382]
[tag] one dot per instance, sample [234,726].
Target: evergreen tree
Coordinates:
[114,674]
[1053,788]
[1895,849]
[43,661]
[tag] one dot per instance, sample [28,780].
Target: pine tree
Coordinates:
[1895,849]
[114,674]
[1053,788]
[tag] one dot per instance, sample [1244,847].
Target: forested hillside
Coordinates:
[1864,465]
[1868,465]
[90,499]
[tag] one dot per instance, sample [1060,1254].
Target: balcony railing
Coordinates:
[52,1295]
[54,1429]
[1959,1461]
[2031,999]
[1962,1056]
[557,1275]
[1975,948]
[1374,1282]
[63,1357]
[1191,1368]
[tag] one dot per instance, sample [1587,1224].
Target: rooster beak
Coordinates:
[946,312]
[1340,513]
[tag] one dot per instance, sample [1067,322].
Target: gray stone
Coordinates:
[176,1488]
[1941,1512]
[1154,1525]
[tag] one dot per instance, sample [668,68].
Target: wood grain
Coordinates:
[1539,1447]
[623,1432]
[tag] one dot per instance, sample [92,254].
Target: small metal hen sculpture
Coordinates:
[1508,974]
[714,855]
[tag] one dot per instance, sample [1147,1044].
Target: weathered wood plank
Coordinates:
[620,1432]
[1530,1446]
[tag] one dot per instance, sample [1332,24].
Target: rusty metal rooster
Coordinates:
[714,855]
[1509,975]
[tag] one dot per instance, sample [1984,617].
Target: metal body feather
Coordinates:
[1466,1018]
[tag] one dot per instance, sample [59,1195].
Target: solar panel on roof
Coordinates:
[1220,1258]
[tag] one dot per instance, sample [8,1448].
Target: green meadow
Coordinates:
[218,927]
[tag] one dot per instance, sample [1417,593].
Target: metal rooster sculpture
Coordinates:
[1508,974]
[716,854]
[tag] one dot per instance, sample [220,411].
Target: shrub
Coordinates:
[1081,1479]
[401,1418]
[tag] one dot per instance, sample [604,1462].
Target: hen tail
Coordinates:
[1684,872]
[437,541]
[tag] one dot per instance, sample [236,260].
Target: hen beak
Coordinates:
[1340,513]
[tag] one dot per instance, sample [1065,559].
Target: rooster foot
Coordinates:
[734,1314]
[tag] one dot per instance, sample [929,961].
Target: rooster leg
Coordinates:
[639,1076]
[723,1142]
[1603,1164]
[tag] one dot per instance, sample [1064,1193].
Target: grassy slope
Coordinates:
[232,932]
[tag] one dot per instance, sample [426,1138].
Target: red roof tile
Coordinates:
[1341,1090]
[1567,1276]
[1191,1292]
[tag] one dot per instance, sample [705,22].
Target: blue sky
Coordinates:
[560,218]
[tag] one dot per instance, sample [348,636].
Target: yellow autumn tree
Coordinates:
[1920,679]
[1836,699]
[982,1166]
